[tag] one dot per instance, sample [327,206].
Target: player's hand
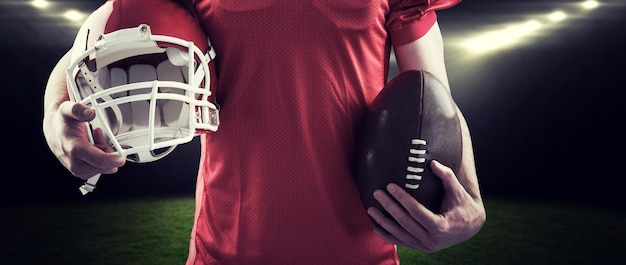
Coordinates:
[68,140]
[419,228]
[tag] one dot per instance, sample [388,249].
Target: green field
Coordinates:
[156,231]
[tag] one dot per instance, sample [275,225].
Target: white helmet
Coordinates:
[146,68]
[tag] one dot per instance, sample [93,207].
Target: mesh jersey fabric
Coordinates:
[275,183]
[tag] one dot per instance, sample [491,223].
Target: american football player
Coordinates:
[275,183]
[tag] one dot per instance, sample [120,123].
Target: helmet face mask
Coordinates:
[150,92]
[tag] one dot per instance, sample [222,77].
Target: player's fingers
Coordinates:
[419,215]
[102,160]
[76,111]
[93,160]
[451,184]
[387,237]
[443,172]
[391,232]
[101,142]
[85,171]
[404,227]
[392,228]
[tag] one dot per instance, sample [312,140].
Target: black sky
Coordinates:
[546,117]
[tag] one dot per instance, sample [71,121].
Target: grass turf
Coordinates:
[156,231]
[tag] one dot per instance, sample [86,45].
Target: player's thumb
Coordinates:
[77,111]
[447,176]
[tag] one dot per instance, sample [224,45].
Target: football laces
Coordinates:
[416,164]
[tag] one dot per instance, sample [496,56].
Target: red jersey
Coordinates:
[275,183]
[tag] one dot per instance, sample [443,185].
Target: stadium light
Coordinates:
[590,4]
[510,35]
[74,15]
[41,4]
[506,37]
[557,16]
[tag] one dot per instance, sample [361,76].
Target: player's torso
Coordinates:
[294,79]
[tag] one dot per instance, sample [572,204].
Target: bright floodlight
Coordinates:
[506,37]
[74,15]
[557,16]
[590,4]
[41,4]
[520,33]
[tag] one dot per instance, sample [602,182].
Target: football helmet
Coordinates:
[146,68]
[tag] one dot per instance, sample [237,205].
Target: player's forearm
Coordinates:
[56,91]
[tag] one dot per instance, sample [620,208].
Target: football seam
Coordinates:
[415,169]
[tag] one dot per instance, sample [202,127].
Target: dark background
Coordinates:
[546,116]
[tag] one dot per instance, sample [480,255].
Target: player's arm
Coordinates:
[462,214]
[66,134]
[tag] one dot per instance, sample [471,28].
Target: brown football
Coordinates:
[412,121]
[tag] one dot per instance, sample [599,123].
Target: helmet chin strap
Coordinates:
[89,185]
